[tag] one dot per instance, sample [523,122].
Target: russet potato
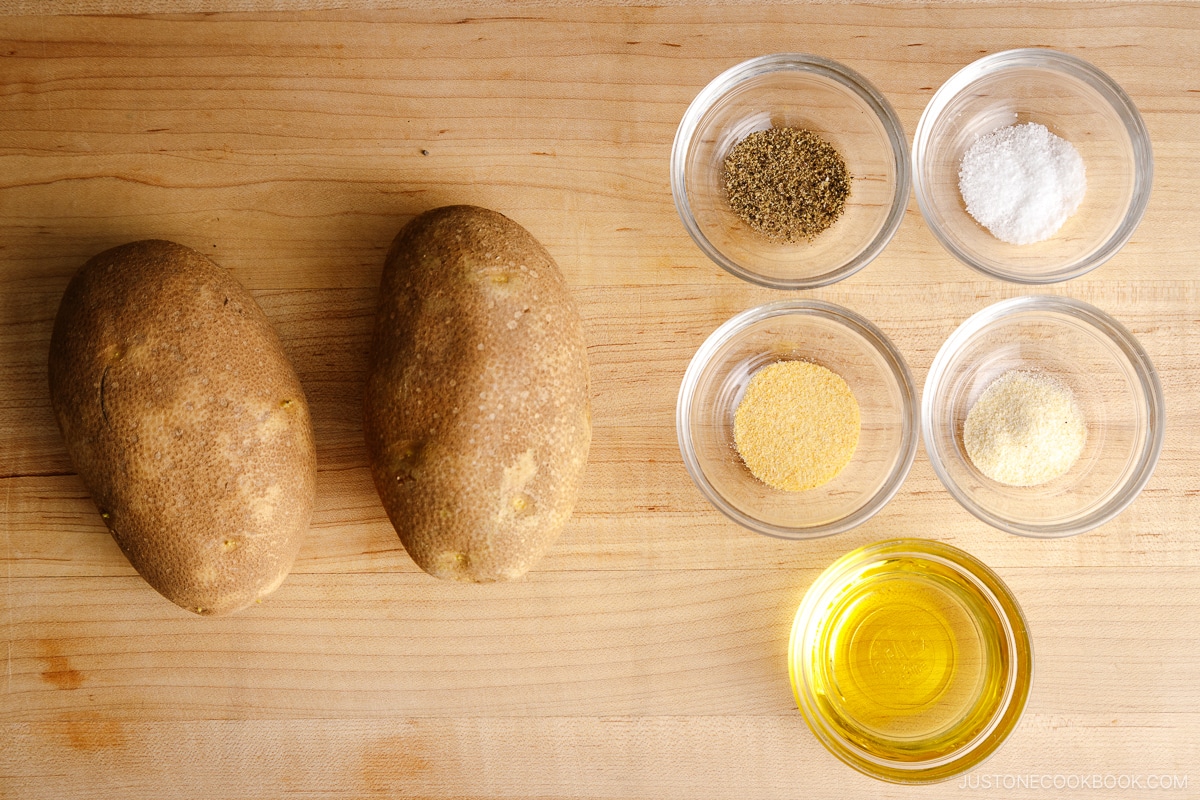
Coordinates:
[477,412]
[186,421]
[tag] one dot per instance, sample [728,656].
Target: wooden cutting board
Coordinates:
[645,656]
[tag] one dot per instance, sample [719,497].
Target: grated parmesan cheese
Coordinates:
[797,426]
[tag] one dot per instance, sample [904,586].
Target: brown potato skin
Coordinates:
[477,413]
[186,421]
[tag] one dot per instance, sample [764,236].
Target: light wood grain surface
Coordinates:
[644,657]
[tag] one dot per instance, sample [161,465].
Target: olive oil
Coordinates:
[909,660]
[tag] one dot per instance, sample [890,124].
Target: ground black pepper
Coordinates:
[786,183]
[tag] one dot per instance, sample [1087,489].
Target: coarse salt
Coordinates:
[1022,182]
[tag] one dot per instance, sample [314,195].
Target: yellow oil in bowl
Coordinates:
[910,660]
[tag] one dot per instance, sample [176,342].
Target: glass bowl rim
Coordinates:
[1016,637]
[898,371]
[795,62]
[1114,332]
[1057,61]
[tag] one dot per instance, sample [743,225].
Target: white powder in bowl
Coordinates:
[1025,429]
[1022,182]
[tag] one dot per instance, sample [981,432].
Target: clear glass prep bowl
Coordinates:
[1002,642]
[825,334]
[803,91]
[1112,379]
[1078,103]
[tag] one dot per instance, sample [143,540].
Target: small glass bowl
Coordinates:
[825,334]
[799,91]
[910,660]
[1076,102]
[1113,381]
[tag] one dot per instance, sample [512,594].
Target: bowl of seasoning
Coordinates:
[797,419]
[910,660]
[790,171]
[1032,166]
[1043,416]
